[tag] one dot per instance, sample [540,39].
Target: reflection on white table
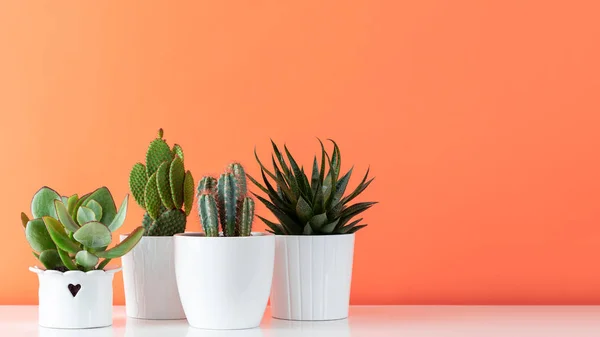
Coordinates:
[367,321]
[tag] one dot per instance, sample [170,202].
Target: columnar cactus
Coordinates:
[73,233]
[226,201]
[163,188]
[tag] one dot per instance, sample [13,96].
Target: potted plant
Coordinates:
[70,236]
[314,239]
[224,278]
[165,190]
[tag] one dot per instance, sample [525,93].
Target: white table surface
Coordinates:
[368,321]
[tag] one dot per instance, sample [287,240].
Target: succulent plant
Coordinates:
[163,188]
[226,201]
[73,233]
[315,206]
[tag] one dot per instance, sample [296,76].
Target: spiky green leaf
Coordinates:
[303,210]
[275,228]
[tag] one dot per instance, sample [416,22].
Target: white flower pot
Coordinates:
[75,299]
[312,276]
[149,280]
[224,282]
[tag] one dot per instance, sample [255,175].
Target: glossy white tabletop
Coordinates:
[368,321]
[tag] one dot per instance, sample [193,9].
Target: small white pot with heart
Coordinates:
[75,299]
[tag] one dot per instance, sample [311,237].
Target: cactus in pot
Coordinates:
[225,201]
[73,233]
[163,188]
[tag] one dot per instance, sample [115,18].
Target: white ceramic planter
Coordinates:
[224,282]
[75,299]
[149,280]
[312,277]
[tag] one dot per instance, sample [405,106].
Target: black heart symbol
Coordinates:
[74,289]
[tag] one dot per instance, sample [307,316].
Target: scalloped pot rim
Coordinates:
[74,272]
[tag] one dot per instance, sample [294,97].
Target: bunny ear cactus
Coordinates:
[315,205]
[72,233]
[163,188]
[225,201]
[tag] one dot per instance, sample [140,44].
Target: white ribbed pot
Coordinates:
[312,277]
[149,280]
[224,282]
[75,299]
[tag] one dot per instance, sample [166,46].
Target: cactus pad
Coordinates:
[169,223]
[188,192]
[137,183]
[158,152]
[152,198]
[177,150]
[163,185]
[176,177]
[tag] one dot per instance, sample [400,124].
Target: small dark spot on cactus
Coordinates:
[74,289]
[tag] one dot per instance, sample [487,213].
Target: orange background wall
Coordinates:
[480,120]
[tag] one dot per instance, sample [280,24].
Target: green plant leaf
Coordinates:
[323,155]
[330,227]
[303,210]
[276,228]
[314,180]
[176,177]
[336,159]
[43,203]
[256,183]
[163,185]
[300,177]
[152,198]
[85,214]
[66,259]
[105,199]
[24,219]
[120,217]
[50,259]
[37,235]
[287,174]
[278,179]
[177,150]
[95,206]
[283,218]
[275,197]
[71,202]
[158,152]
[137,183]
[307,229]
[341,187]
[78,204]
[65,217]
[103,264]
[86,259]
[188,192]
[37,256]
[125,246]
[359,189]
[356,228]
[59,236]
[317,221]
[93,234]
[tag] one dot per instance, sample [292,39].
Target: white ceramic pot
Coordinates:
[149,280]
[224,282]
[312,276]
[75,299]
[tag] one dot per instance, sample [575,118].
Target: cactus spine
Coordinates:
[225,201]
[163,188]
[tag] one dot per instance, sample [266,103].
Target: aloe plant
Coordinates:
[163,188]
[226,201]
[73,233]
[315,205]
